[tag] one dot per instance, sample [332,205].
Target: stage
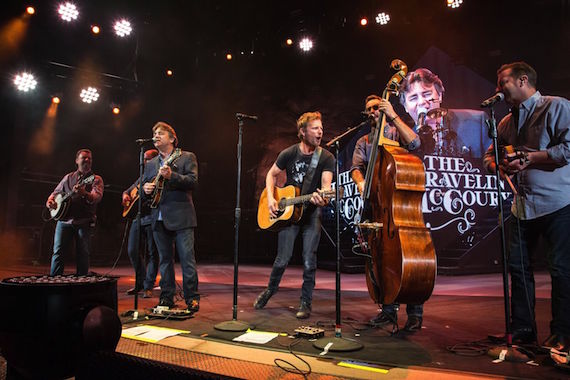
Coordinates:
[462,310]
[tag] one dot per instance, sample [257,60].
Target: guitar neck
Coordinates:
[302,199]
[296,200]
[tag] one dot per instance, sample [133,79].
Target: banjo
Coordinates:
[62,200]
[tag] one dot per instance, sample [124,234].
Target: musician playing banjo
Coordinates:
[82,191]
[309,167]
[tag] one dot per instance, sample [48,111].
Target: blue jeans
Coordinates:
[310,229]
[555,229]
[184,242]
[411,309]
[144,280]
[65,235]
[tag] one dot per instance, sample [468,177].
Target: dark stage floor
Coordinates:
[462,310]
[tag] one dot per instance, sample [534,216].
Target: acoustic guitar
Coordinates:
[128,210]
[290,205]
[62,200]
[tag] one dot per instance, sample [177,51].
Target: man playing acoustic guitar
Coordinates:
[78,221]
[311,168]
[144,279]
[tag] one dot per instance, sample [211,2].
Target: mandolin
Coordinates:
[159,180]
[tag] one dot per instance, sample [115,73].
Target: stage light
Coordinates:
[89,95]
[306,44]
[25,82]
[30,10]
[55,100]
[229,57]
[123,28]
[116,110]
[363,21]
[454,3]
[169,73]
[95,29]
[289,42]
[382,18]
[68,12]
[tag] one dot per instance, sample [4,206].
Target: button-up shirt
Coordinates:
[543,124]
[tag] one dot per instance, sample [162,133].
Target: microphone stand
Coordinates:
[235,325]
[135,311]
[338,343]
[509,352]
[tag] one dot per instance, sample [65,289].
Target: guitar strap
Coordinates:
[308,180]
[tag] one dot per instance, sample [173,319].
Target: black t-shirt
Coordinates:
[296,165]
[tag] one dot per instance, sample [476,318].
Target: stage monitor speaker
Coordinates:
[48,325]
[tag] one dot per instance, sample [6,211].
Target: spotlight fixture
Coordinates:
[89,95]
[116,110]
[382,18]
[25,82]
[55,100]
[454,3]
[306,44]
[68,12]
[95,29]
[30,10]
[289,42]
[123,28]
[363,21]
[169,72]
[229,57]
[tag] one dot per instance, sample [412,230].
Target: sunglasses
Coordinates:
[375,107]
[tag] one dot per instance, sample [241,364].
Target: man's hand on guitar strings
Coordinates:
[273,207]
[317,198]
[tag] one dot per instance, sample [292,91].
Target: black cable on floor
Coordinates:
[293,368]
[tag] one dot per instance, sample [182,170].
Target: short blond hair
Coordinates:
[305,119]
[167,128]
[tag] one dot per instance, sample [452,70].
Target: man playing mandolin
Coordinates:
[169,180]
[538,127]
[79,217]
[311,168]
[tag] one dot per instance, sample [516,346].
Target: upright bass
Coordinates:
[402,265]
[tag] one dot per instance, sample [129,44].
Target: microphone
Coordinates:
[241,116]
[144,141]
[492,100]
[422,112]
